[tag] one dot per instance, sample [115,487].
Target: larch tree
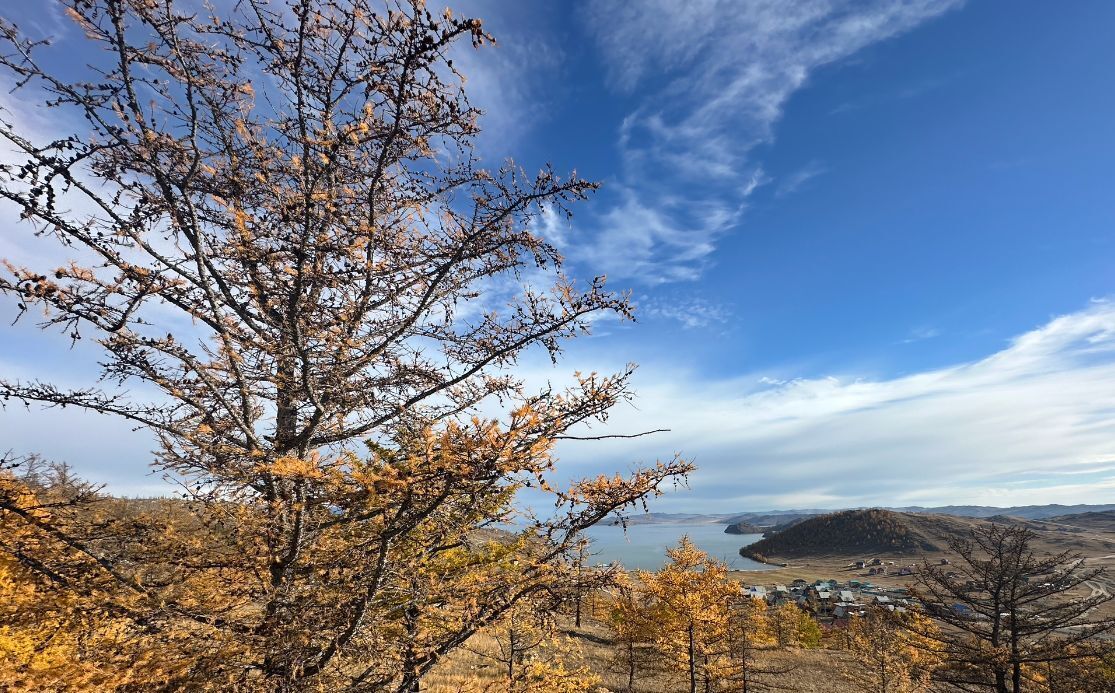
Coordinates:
[791,626]
[533,655]
[631,618]
[892,650]
[518,635]
[1010,611]
[269,218]
[47,635]
[1094,673]
[752,632]
[693,598]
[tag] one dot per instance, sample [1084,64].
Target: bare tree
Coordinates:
[277,224]
[1008,611]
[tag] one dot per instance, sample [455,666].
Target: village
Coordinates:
[833,602]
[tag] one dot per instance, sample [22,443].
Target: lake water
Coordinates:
[643,547]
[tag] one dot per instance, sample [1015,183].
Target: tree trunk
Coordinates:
[630,667]
[412,679]
[286,411]
[511,652]
[692,660]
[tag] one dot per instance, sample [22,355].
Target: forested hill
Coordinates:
[861,532]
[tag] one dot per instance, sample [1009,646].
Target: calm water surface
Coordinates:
[644,546]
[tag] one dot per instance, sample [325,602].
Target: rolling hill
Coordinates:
[861,533]
[1096,521]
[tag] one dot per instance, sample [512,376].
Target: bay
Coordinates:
[643,546]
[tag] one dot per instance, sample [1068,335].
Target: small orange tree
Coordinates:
[279,228]
[534,656]
[893,651]
[631,617]
[793,627]
[693,599]
[753,630]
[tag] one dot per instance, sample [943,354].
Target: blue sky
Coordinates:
[870,242]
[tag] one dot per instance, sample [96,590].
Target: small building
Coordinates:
[846,596]
[824,602]
[842,611]
[757,592]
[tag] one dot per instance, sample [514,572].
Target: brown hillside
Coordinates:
[861,532]
[1098,521]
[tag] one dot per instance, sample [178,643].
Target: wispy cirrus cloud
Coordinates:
[796,180]
[1031,423]
[920,334]
[711,80]
[689,312]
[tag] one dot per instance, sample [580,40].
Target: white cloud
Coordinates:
[691,313]
[670,241]
[920,334]
[1031,423]
[793,182]
[1034,422]
[713,78]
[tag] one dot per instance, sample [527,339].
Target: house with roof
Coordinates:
[845,611]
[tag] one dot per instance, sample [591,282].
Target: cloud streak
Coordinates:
[796,180]
[1032,423]
[713,79]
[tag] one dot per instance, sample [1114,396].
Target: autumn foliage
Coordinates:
[271,222]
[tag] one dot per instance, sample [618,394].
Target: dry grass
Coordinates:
[469,671]
[465,670]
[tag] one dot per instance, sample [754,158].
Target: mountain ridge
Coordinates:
[771,520]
